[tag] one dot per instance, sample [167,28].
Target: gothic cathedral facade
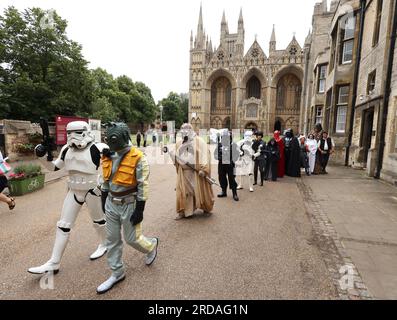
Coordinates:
[236,90]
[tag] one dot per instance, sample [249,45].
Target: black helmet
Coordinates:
[40,150]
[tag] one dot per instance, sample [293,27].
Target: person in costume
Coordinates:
[81,159]
[292,155]
[273,157]
[318,133]
[304,154]
[192,160]
[227,154]
[281,162]
[125,192]
[4,168]
[245,164]
[312,151]
[259,157]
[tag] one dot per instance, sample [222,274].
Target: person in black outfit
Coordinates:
[227,153]
[259,147]
[325,148]
[138,139]
[273,156]
[292,155]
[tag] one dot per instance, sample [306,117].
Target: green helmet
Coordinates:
[117,136]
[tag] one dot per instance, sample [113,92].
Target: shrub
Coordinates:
[25,171]
[24,148]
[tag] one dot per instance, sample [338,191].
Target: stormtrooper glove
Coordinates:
[137,216]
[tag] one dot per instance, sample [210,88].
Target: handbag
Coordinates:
[4,167]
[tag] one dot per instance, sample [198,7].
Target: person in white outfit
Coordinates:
[245,164]
[312,147]
[81,158]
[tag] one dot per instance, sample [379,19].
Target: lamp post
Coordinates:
[161,116]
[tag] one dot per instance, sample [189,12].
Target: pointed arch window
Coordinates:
[253,88]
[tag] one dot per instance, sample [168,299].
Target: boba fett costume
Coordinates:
[125,191]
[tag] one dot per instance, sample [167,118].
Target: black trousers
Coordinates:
[138,142]
[271,167]
[324,160]
[261,165]
[226,176]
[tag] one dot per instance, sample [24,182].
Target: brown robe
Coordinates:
[203,193]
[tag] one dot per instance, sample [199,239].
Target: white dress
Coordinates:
[312,146]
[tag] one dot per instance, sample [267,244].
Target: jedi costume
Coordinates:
[125,192]
[192,160]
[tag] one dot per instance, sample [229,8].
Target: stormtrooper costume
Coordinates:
[81,159]
[245,164]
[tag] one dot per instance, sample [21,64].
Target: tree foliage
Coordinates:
[175,108]
[43,74]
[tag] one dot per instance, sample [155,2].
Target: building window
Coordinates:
[319,115]
[254,88]
[371,82]
[322,72]
[252,111]
[348,40]
[378,20]
[280,96]
[221,94]
[341,109]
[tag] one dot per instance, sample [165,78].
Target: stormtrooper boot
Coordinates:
[251,183]
[52,265]
[101,250]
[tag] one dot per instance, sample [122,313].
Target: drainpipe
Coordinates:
[355,81]
[386,96]
[305,103]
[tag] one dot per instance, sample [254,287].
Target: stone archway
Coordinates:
[251,126]
[286,98]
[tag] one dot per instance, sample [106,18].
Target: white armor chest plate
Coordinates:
[80,161]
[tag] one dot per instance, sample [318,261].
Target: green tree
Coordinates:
[43,73]
[175,108]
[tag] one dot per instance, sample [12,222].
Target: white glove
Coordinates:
[256,155]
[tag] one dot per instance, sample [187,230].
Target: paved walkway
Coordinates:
[259,248]
[363,212]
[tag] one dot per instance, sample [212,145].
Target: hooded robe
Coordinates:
[190,184]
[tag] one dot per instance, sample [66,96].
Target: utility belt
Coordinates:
[125,197]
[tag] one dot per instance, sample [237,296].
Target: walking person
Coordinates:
[281,149]
[138,139]
[192,159]
[5,168]
[144,139]
[273,157]
[312,151]
[326,148]
[245,164]
[227,154]
[259,157]
[125,192]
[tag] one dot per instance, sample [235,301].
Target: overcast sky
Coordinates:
[149,40]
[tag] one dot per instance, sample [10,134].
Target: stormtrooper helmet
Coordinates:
[79,134]
[248,137]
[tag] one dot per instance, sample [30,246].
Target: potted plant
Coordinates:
[25,179]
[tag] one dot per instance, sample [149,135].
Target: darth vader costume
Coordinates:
[292,155]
